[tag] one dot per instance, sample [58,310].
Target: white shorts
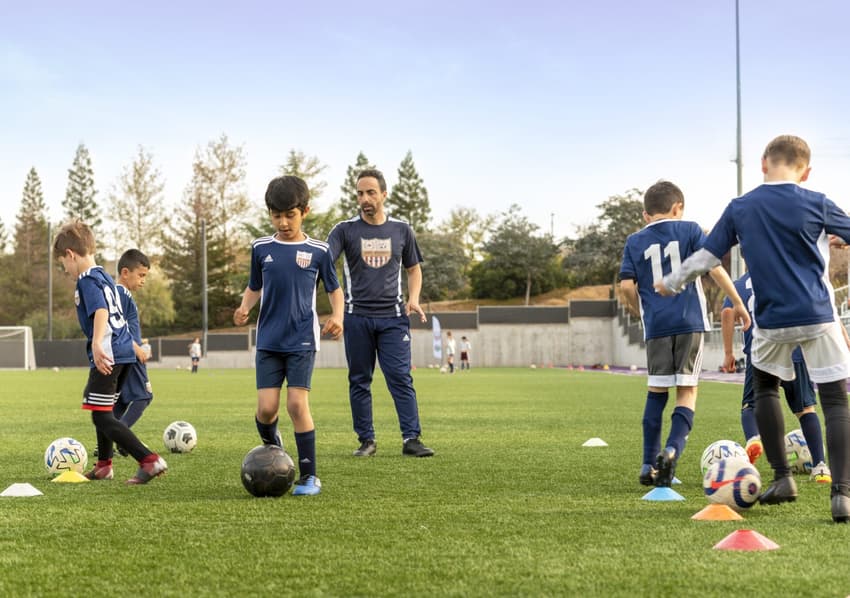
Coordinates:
[827,356]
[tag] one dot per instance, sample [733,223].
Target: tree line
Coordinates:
[467,254]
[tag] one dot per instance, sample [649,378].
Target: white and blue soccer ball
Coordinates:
[180,437]
[721,449]
[65,454]
[732,482]
[797,451]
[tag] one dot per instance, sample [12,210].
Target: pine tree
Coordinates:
[307,168]
[348,205]
[27,287]
[408,199]
[4,238]
[215,196]
[79,202]
[138,199]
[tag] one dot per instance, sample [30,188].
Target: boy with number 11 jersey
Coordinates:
[673,326]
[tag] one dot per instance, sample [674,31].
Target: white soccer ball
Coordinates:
[180,437]
[721,449]
[633,368]
[444,369]
[732,482]
[797,451]
[533,366]
[65,454]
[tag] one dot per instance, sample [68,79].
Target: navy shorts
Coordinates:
[296,368]
[136,385]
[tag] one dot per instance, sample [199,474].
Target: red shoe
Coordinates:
[754,448]
[148,471]
[100,472]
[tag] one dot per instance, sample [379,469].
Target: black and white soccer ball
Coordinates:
[268,471]
[180,437]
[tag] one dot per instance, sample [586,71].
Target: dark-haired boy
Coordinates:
[673,328]
[285,268]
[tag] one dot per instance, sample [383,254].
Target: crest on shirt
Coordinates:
[77,297]
[303,258]
[376,252]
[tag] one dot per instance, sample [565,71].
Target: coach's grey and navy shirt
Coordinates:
[373,257]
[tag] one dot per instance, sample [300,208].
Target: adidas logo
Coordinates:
[305,460]
[406,338]
[268,259]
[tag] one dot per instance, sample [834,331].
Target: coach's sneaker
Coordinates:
[840,508]
[821,474]
[413,447]
[754,448]
[367,448]
[307,486]
[780,490]
[101,471]
[665,463]
[148,471]
[647,475]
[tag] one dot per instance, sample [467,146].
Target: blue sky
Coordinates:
[554,106]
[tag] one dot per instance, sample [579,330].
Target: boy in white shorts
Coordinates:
[784,230]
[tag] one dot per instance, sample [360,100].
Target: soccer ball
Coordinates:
[732,482]
[65,454]
[180,437]
[267,471]
[797,451]
[720,449]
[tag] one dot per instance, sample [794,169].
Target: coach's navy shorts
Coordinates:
[136,385]
[274,367]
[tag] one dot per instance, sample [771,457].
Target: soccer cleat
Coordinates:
[100,472]
[780,490]
[665,463]
[148,471]
[367,448]
[413,447]
[307,486]
[821,474]
[754,448]
[647,475]
[840,505]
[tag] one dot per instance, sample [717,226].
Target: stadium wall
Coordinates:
[584,333]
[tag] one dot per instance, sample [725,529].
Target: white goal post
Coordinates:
[17,350]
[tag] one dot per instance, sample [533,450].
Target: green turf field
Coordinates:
[512,505]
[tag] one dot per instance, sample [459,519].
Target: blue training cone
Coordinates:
[662,494]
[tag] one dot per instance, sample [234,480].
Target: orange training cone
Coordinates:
[746,539]
[715,512]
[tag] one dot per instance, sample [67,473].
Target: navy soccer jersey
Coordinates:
[744,287]
[783,230]
[96,290]
[373,256]
[131,313]
[653,252]
[287,273]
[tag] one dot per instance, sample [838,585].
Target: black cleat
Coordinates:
[840,508]
[367,448]
[647,475]
[780,490]
[665,463]
[413,447]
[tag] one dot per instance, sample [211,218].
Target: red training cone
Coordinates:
[746,539]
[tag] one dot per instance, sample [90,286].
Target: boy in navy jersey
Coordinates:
[784,230]
[136,393]
[110,352]
[285,268]
[375,247]
[799,393]
[673,329]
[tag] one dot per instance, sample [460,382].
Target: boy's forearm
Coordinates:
[337,300]
[718,274]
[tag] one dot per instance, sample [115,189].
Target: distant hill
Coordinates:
[555,297]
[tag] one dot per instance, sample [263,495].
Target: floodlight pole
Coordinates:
[49,284]
[737,262]
[204,305]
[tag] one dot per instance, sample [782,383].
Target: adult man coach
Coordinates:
[375,247]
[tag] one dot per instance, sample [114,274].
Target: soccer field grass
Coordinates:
[511,504]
